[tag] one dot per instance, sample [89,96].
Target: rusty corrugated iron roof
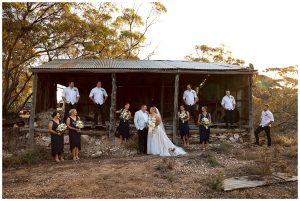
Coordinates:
[136,64]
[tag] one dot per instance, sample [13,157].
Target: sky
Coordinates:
[264,33]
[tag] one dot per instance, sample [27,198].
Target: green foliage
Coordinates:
[35,33]
[219,54]
[29,157]
[212,161]
[281,93]
[215,182]
[132,143]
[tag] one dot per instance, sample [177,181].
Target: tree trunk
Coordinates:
[176,92]
[32,112]
[250,104]
[112,121]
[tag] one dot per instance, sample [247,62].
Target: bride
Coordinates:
[158,142]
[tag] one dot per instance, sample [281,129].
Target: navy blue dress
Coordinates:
[57,141]
[184,127]
[74,136]
[204,133]
[123,129]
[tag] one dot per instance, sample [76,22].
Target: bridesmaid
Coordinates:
[124,123]
[203,131]
[184,117]
[57,139]
[74,134]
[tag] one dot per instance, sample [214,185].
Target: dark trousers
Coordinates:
[143,134]
[267,130]
[192,111]
[229,117]
[99,109]
[68,107]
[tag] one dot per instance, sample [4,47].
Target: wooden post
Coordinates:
[112,121]
[176,92]
[162,92]
[30,141]
[250,105]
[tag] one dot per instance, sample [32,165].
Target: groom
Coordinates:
[140,122]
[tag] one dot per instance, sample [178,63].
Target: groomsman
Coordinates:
[266,120]
[190,98]
[70,96]
[99,96]
[228,103]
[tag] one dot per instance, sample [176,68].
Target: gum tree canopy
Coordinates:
[35,33]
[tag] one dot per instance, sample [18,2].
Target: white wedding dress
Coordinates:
[158,142]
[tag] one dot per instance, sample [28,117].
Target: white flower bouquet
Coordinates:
[125,115]
[79,124]
[205,122]
[183,116]
[61,128]
[151,125]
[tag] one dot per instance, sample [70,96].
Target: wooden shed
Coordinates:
[153,82]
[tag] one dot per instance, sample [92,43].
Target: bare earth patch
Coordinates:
[141,176]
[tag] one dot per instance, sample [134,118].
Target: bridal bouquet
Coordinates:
[205,122]
[151,125]
[183,116]
[61,128]
[79,124]
[125,115]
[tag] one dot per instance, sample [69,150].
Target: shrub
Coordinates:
[31,156]
[246,155]
[165,165]
[212,161]
[132,143]
[215,182]
[285,140]
[223,148]
[292,152]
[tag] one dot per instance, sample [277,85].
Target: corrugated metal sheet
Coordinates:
[135,64]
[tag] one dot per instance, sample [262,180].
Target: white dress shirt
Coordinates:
[266,117]
[228,102]
[189,97]
[70,94]
[98,94]
[141,119]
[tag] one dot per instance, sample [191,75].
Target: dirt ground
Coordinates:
[138,177]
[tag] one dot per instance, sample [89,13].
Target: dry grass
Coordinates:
[223,148]
[215,181]
[165,167]
[132,143]
[285,140]
[29,157]
[245,155]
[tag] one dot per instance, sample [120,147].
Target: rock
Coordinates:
[104,137]
[241,140]
[27,135]
[15,126]
[232,139]
[236,136]
[97,142]
[85,138]
[36,125]
[222,137]
[66,139]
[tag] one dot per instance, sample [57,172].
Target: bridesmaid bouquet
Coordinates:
[79,124]
[183,116]
[125,115]
[61,128]
[151,125]
[205,122]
